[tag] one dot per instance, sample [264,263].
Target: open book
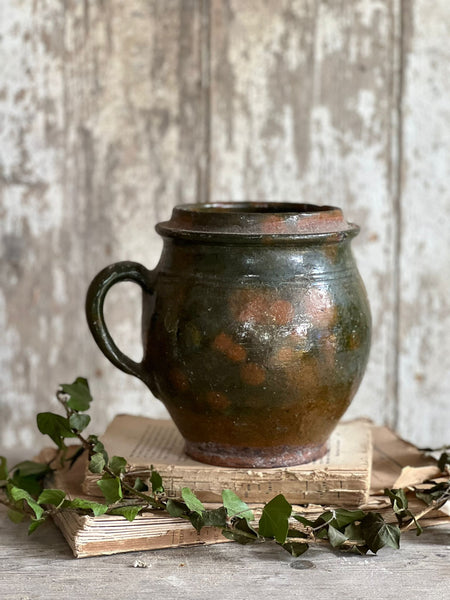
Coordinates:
[110,534]
[340,477]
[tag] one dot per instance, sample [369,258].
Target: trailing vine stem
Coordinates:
[434,505]
[24,491]
[89,447]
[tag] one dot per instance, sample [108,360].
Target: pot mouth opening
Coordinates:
[254,220]
[256,207]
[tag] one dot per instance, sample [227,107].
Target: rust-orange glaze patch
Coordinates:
[260,306]
[319,306]
[249,305]
[179,380]
[217,400]
[329,352]
[285,356]
[224,343]
[282,312]
[354,341]
[254,310]
[253,374]
[274,224]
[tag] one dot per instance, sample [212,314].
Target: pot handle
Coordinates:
[102,282]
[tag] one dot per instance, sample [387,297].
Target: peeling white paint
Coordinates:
[366,105]
[424,371]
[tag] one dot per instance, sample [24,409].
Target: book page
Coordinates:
[144,441]
[391,455]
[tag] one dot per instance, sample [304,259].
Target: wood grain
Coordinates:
[424,256]
[101,105]
[41,566]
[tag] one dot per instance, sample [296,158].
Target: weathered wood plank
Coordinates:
[101,109]
[424,359]
[106,121]
[303,107]
[227,571]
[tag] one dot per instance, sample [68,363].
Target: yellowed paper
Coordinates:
[342,476]
[109,534]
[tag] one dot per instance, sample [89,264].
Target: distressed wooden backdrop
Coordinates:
[112,111]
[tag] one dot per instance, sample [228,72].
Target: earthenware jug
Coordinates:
[256,328]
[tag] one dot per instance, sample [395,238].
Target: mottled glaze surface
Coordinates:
[256,329]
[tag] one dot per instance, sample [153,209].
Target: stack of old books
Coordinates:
[361,461]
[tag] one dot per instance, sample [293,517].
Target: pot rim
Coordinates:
[253,221]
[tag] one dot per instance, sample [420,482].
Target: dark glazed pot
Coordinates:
[256,328]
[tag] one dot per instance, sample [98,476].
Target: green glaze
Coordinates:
[256,328]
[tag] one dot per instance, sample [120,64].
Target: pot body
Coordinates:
[256,338]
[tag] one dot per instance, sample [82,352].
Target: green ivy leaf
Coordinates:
[96,507]
[35,523]
[79,422]
[3,468]
[196,520]
[129,512]
[97,463]
[353,533]
[304,521]
[399,501]
[16,516]
[216,517]
[209,518]
[54,497]
[16,494]
[235,506]
[295,548]
[274,519]
[176,508]
[192,502]
[80,396]
[30,484]
[156,482]
[322,534]
[117,464]
[98,447]
[377,533]
[55,426]
[419,528]
[296,533]
[341,517]
[336,537]
[29,475]
[444,461]
[111,489]
[241,532]
[139,485]
[29,468]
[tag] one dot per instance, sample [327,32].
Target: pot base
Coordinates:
[224,455]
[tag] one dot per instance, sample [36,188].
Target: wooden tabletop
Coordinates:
[42,566]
